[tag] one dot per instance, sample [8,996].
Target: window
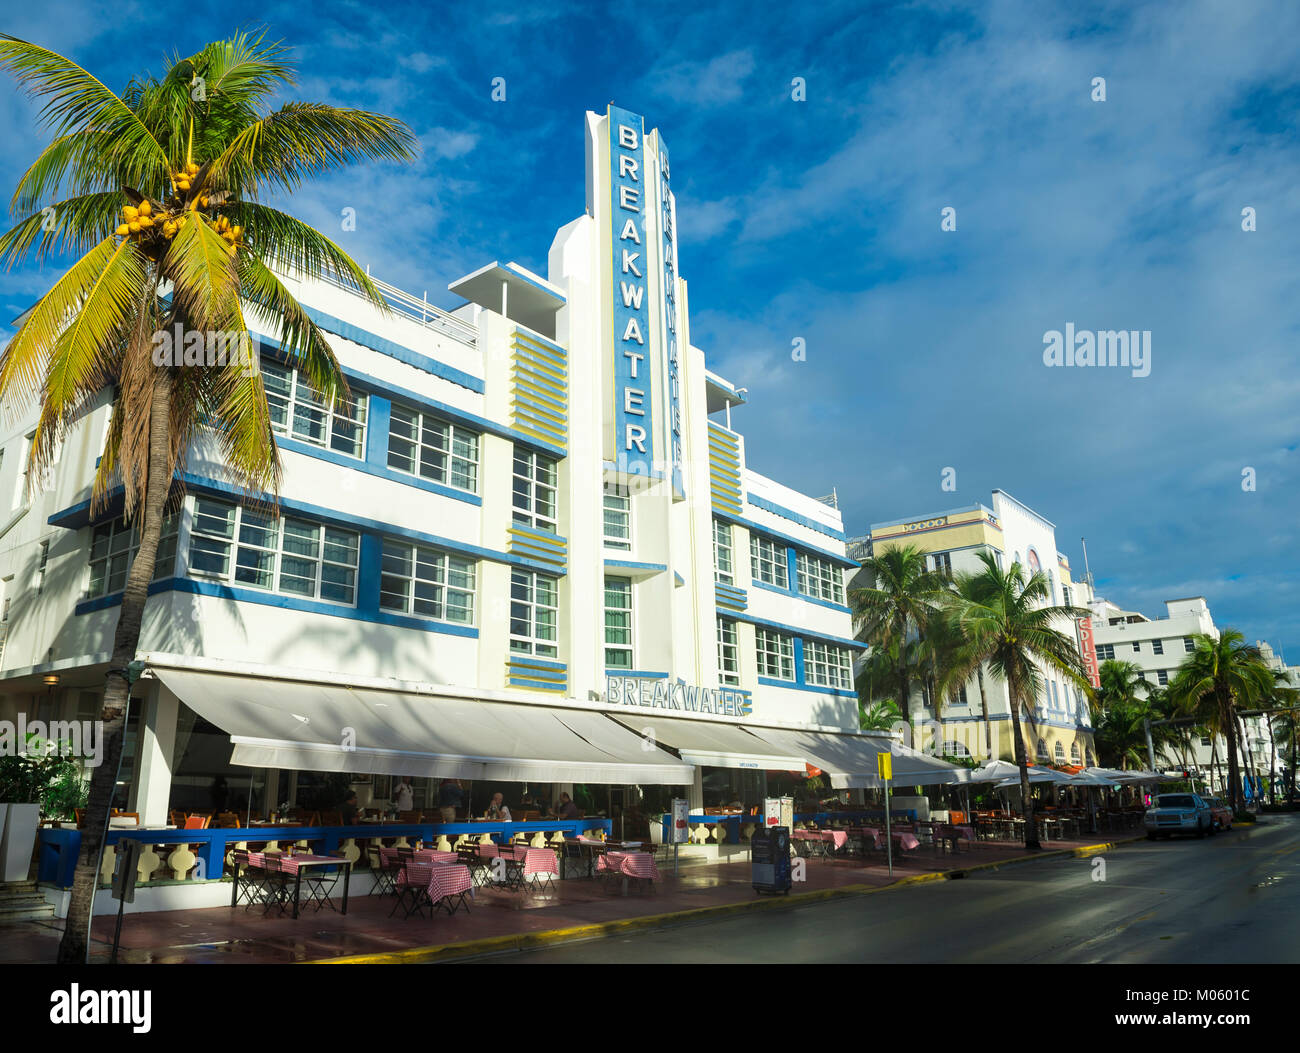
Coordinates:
[1163,676]
[1059,753]
[768,562]
[775,654]
[728,653]
[423,581]
[1137,646]
[533,614]
[535,482]
[618,623]
[1068,595]
[1189,645]
[959,697]
[6,587]
[300,413]
[819,578]
[941,562]
[826,665]
[1091,762]
[1074,753]
[618,521]
[113,547]
[1157,647]
[722,566]
[1043,755]
[1205,739]
[239,546]
[433,449]
[1105,652]
[953,748]
[42,563]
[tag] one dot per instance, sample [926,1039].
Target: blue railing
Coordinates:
[733,823]
[59,848]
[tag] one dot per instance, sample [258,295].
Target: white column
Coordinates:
[153,780]
[695,796]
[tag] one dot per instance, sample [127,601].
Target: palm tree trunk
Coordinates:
[74,945]
[904,681]
[1272,762]
[1022,759]
[1230,735]
[984,711]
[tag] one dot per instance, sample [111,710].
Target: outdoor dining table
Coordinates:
[952,833]
[438,883]
[298,863]
[639,866]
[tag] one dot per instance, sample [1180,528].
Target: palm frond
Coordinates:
[72,226]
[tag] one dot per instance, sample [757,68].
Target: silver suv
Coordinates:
[1178,813]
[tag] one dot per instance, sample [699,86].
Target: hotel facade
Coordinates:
[530,550]
[1061,732]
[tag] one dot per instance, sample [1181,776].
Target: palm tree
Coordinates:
[1219,676]
[1121,729]
[879,716]
[1009,625]
[1122,683]
[1284,696]
[902,599]
[157,190]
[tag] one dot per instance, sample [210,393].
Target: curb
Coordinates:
[549,937]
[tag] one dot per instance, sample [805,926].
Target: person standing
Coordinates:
[450,797]
[404,795]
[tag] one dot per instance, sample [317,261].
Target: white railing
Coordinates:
[417,310]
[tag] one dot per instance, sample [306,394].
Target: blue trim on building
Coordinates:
[796,631]
[391,349]
[799,672]
[776,535]
[796,594]
[368,467]
[365,612]
[795,517]
[767,681]
[628,564]
[637,674]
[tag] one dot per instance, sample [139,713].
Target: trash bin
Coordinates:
[770,854]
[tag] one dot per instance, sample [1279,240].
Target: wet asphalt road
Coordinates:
[1230,898]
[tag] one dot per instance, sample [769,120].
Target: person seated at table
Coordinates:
[351,811]
[498,810]
[566,809]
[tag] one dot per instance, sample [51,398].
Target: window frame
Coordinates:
[532,643]
[769,658]
[527,514]
[818,578]
[164,562]
[720,529]
[758,558]
[423,424]
[237,543]
[826,665]
[332,414]
[622,586]
[728,651]
[620,542]
[447,564]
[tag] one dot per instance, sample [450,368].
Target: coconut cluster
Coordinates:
[148,220]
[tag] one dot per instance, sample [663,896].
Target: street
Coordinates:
[1231,898]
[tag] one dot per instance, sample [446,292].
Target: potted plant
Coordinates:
[26,778]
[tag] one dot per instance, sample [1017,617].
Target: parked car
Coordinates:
[1220,812]
[1178,813]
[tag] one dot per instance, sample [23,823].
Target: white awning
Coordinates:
[716,744]
[850,758]
[325,727]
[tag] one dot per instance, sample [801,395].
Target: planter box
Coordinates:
[18,840]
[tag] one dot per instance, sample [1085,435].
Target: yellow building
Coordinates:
[1060,731]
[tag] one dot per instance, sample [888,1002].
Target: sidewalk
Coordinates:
[498,920]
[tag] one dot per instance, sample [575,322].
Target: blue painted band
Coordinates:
[794,630]
[768,681]
[759,528]
[627,564]
[795,517]
[797,595]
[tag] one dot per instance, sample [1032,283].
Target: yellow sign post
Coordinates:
[885,769]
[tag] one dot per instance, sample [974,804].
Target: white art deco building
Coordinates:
[534,518]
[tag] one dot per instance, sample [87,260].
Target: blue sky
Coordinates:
[821,220]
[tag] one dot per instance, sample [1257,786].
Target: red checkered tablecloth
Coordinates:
[540,861]
[433,855]
[632,864]
[439,879]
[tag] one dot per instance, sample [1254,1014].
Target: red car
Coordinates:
[1220,813]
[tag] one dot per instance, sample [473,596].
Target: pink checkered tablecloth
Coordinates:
[838,838]
[433,855]
[491,850]
[439,879]
[540,861]
[632,864]
[291,863]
